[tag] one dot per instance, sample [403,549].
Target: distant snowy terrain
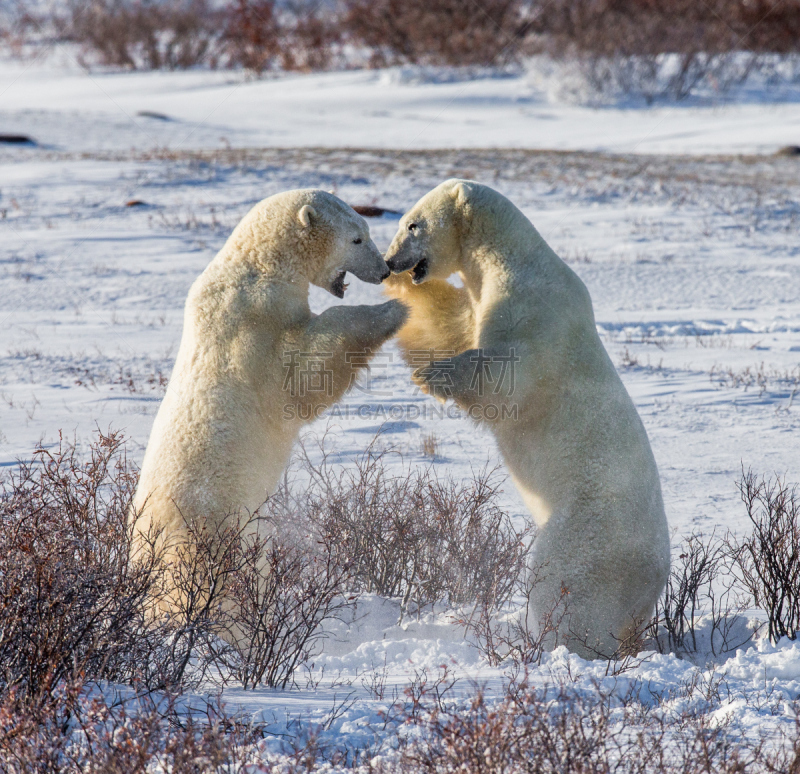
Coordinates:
[63,107]
[692,261]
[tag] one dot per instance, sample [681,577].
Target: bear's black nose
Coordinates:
[391,265]
[386,274]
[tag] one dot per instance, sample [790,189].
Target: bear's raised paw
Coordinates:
[434,381]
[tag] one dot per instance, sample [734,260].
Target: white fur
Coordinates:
[225,429]
[577,451]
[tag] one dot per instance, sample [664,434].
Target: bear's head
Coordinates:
[312,234]
[345,240]
[428,241]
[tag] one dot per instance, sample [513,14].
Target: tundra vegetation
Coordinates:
[92,678]
[650,50]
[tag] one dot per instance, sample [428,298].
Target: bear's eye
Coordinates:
[412,226]
[357,241]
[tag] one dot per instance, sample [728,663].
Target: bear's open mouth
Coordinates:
[419,271]
[338,286]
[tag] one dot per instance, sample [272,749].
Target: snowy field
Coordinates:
[51,98]
[691,255]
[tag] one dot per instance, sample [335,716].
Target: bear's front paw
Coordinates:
[393,315]
[434,380]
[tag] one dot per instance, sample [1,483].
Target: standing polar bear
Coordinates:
[255,364]
[529,363]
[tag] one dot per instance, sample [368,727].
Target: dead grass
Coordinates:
[630,361]
[430,446]
[760,377]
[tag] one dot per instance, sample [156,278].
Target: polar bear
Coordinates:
[255,364]
[528,362]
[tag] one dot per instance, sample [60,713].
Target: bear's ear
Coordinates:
[305,213]
[461,192]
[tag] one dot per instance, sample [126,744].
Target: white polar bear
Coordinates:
[255,364]
[529,363]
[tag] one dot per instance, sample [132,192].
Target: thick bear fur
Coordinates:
[571,437]
[240,390]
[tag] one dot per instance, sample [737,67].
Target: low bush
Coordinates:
[650,48]
[282,594]
[187,614]
[145,34]
[768,559]
[417,536]
[78,596]
[71,599]
[16,26]
[78,606]
[700,609]
[516,637]
[648,27]
[665,47]
[259,35]
[246,601]
[80,599]
[436,32]
[77,731]
[561,729]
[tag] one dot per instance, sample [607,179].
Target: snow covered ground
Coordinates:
[61,106]
[691,260]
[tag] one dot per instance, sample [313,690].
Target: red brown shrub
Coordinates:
[437,32]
